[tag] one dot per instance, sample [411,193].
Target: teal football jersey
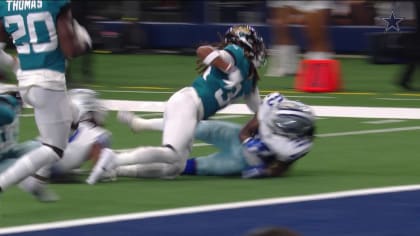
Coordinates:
[32,25]
[211,87]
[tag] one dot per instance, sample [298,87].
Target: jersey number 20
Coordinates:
[25,47]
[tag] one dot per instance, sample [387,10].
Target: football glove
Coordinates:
[82,35]
[254,172]
[255,151]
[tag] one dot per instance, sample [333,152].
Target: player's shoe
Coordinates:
[39,189]
[105,164]
[45,195]
[109,176]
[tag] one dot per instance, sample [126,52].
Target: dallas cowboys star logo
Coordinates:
[392,22]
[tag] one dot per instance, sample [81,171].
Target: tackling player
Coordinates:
[229,73]
[281,133]
[44,34]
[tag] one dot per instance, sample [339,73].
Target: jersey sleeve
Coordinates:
[236,52]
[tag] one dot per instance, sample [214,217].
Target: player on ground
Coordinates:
[85,143]
[44,35]
[266,146]
[229,73]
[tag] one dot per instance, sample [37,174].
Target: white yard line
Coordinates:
[378,122]
[322,111]
[206,208]
[372,131]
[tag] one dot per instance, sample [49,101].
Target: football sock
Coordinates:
[190,168]
[27,165]
[153,170]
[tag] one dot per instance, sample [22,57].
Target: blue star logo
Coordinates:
[392,22]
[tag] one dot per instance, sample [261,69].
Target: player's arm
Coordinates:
[253,100]
[277,168]
[73,38]
[249,130]
[5,58]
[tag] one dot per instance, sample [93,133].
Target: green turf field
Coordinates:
[336,162]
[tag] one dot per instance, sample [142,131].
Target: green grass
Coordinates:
[336,163]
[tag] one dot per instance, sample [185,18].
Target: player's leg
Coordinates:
[153,170]
[53,118]
[284,52]
[75,154]
[224,135]
[218,164]
[137,123]
[178,135]
[229,160]
[316,16]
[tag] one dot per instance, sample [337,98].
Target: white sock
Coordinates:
[27,165]
[154,170]
[147,155]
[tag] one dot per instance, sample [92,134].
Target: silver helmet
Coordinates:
[292,119]
[87,106]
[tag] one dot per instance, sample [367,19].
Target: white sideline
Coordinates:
[205,208]
[321,111]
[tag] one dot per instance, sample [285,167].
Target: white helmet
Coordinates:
[291,118]
[88,106]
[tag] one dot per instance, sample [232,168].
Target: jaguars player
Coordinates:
[45,35]
[229,73]
[281,133]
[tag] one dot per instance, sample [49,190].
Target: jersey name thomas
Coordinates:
[15,5]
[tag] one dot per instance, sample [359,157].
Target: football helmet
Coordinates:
[247,37]
[88,106]
[292,119]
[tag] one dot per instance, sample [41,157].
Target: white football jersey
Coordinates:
[80,146]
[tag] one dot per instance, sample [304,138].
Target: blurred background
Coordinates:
[176,24]
[383,31]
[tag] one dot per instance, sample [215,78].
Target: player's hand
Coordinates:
[82,35]
[234,78]
[255,151]
[254,172]
[125,117]
[257,146]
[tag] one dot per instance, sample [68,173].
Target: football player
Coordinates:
[10,107]
[86,142]
[281,133]
[45,35]
[228,73]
